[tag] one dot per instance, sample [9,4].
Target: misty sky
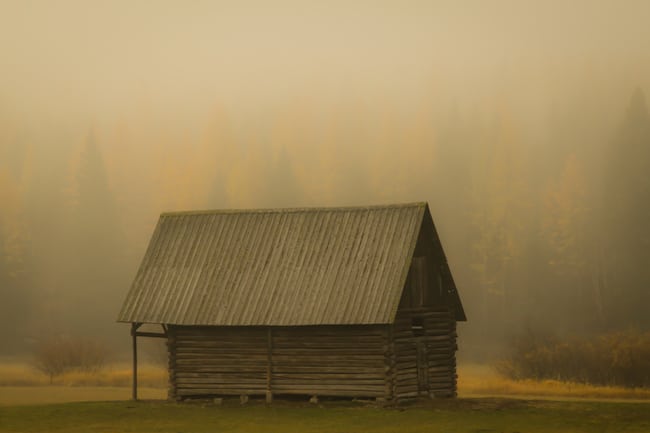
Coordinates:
[93,60]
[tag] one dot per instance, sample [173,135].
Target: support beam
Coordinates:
[134,336]
[151,334]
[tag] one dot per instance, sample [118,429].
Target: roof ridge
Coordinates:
[418,204]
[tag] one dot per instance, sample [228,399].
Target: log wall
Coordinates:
[349,361]
[216,361]
[425,358]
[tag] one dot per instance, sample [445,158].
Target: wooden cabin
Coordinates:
[347,302]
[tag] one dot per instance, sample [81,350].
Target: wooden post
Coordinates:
[134,328]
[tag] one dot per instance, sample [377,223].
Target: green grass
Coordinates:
[461,415]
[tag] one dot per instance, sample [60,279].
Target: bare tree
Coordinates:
[58,355]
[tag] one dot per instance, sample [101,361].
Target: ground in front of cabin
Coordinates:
[461,415]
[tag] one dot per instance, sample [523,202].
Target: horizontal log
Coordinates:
[406,371]
[410,394]
[445,368]
[203,354]
[215,377]
[318,345]
[327,376]
[220,368]
[439,347]
[199,392]
[232,335]
[328,392]
[281,383]
[324,358]
[318,388]
[405,375]
[323,331]
[406,381]
[332,336]
[279,368]
[360,336]
[441,373]
[440,357]
[223,369]
[218,386]
[234,339]
[216,348]
[208,381]
[407,336]
[404,388]
[331,366]
[405,357]
[219,343]
[217,330]
[331,349]
[207,369]
[217,389]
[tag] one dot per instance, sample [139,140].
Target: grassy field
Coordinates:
[461,415]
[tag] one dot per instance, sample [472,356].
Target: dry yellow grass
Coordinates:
[28,395]
[481,380]
[22,374]
[114,382]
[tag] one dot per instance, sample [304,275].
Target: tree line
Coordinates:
[547,229]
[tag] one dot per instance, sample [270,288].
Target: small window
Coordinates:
[417,326]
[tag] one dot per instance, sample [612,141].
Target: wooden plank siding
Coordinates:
[346,361]
[425,358]
[216,361]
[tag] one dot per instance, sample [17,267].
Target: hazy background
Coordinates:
[523,123]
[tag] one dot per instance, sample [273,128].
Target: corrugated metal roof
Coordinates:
[278,267]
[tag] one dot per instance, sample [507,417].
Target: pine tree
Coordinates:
[573,261]
[499,214]
[15,290]
[626,217]
[97,267]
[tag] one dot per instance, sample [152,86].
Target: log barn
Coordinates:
[346,302]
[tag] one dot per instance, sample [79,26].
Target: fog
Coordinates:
[524,124]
